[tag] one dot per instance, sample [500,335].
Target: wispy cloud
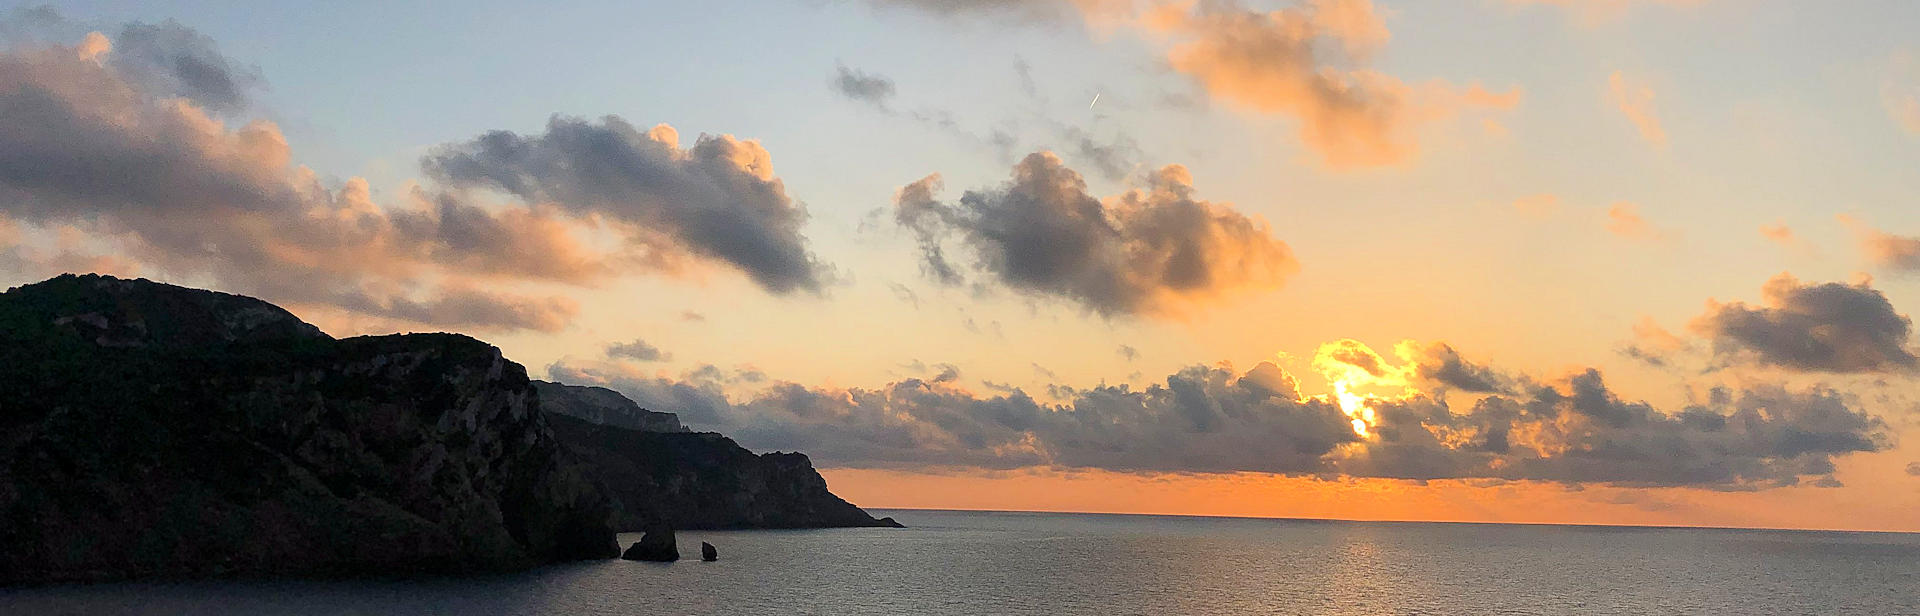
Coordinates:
[1635,101]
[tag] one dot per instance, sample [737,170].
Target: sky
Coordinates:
[1559,261]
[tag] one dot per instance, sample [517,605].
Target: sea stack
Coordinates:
[707,553]
[656,545]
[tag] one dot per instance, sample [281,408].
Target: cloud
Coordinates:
[1112,153]
[131,159]
[1635,101]
[874,90]
[1779,233]
[1113,158]
[1913,468]
[718,199]
[1893,252]
[1829,327]
[1202,419]
[1439,363]
[1579,431]
[170,59]
[132,142]
[1653,344]
[1624,220]
[1310,62]
[1215,419]
[1128,352]
[637,350]
[1148,251]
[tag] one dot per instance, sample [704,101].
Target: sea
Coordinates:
[957,562]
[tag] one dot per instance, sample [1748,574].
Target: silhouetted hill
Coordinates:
[148,429]
[697,480]
[603,406]
[154,430]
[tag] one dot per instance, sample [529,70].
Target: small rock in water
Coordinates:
[707,553]
[656,546]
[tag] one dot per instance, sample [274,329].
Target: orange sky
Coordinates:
[1258,495]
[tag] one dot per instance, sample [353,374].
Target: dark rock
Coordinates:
[603,406]
[704,480]
[656,545]
[154,430]
[889,523]
[707,553]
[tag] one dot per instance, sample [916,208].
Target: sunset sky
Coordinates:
[1591,261]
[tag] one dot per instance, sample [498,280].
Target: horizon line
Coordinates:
[1406,521]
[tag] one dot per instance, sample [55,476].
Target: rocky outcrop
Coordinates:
[603,406]
[708,552]
[656,545]
[704,481]
[154,430]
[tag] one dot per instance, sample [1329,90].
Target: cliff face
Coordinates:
[603,406]
[147,429]
[704,481]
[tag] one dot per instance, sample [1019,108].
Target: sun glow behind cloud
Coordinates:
[1350,366]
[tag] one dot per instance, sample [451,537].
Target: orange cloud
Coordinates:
[1624,220]
[1309,62]
[1894,252]
[1778,232]
[1636,102]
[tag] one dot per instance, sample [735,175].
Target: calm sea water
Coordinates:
[1031,563]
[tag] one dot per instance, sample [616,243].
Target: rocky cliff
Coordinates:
[704,481]
[603,406]
[153,430]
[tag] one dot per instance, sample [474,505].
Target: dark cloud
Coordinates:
[1439,363]
[1114,158]
[171,59]
[874,90]
[1581,432]
[1201,419]
[1829,327]
[1024,73]
[1129,352]
[165,59]
[718,199]
[638,350]
[1147,251]
[1913,468]
[1212,419]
